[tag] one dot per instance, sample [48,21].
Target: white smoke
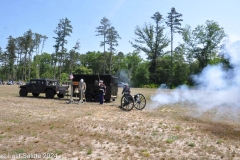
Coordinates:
[216,87]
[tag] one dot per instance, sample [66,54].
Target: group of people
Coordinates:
[99,87]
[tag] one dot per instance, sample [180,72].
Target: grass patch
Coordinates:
[145,153]
[2,136]
[154,133]
[220,141]
[58,152]
[89,151]
[178,128]
[191,144]
[18,151]
[171,139]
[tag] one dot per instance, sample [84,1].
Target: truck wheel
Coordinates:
[35,94]
[88,98]
[49,94]
[60,95]
[23,92]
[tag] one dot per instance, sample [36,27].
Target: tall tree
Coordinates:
[1,56]
[102,30]
[112,41]
[20,52]
[174,22]
[63,30]
[27,41]
[39,39]
[44,38]
[73,57]
[56,46]
[151,40]
[11,49]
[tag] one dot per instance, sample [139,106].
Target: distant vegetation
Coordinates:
[23,57]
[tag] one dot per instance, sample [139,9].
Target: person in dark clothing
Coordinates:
[126,89]
[126,93]
[101,91]
[95,87]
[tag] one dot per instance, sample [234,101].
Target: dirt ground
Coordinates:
[41,128]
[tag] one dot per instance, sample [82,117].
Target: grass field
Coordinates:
[45,128]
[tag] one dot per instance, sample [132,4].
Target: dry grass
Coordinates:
[89,131]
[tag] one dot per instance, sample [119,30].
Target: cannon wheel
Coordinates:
[140,101]
[127,103]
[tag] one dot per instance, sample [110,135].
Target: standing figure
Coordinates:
[82,87]
[126,93]
[101,91]
[95,87]
[126,89]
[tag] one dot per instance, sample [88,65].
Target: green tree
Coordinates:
[45,67]
[141,75]
[83,70]
[1,56]
[72,58]
[39,40]
[163,69]
[174,23]
[111,40]
[203,43]
[102,30]
[63,30]
[129,65]
[119,62]
[27,42]
[11,49]
[93,60]
[151,40]
[4,66]
[20,54]
[180,68]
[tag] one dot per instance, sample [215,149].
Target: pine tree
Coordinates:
[102,30]
[173,22]
[111,40]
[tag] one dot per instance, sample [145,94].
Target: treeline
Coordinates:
[23,57]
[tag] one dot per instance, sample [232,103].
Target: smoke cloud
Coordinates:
[216,87]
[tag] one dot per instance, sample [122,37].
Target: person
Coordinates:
[126,89]
[126,92]
[95,86]
[101,91]
[82,87]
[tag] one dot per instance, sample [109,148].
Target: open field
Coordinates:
[45,128]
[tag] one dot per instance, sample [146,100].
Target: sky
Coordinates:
[43,16]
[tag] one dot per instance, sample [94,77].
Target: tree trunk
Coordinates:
[24,68]
[171,76]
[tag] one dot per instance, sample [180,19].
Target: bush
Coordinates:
[150,86]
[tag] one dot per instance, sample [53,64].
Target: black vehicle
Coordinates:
[48,86]
[91,92]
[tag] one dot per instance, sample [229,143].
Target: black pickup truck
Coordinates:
[50,87]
